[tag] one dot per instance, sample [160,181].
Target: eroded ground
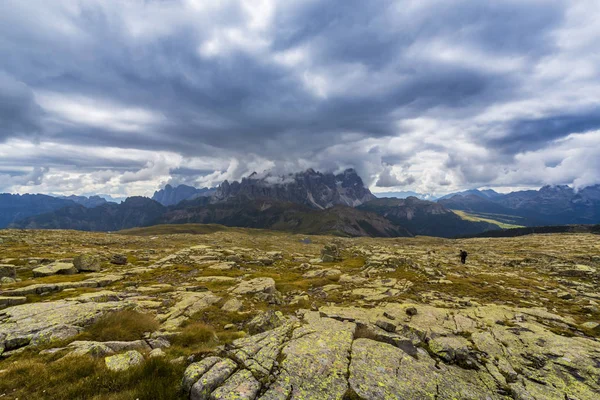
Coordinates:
[251,314]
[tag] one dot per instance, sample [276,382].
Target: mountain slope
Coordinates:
[133,212]
[286,216]
[14,207]
[173,195]
[309,188]
[423,217]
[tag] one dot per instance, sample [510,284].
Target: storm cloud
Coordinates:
[123,96]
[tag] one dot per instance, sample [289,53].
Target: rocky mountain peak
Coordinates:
[173,195]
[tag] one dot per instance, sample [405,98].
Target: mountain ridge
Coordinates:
[310,188]
[169,195]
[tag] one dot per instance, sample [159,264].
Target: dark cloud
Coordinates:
[19,113]
[443,94]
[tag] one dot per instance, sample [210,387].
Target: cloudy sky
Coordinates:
[123,96]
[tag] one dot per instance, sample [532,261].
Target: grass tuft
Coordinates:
[121,325]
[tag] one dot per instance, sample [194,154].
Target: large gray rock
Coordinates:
[44,322]
[256,285]
[58,268]
[87,263]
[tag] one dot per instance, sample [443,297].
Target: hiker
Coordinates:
[463,256]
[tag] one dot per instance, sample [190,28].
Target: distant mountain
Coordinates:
[423,217]
[484,194]
[514,232]
[269,213]
[473,202]
[133,212]
[551,205]
[309,188]
[14,207]
[170,195]
[113,199]
[88,202]
[406,194]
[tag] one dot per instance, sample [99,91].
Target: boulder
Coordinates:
[330,253]
[58,268]
[157,353]
[5,280]
[411,311]
[118,259]
[87,263]
[124,361]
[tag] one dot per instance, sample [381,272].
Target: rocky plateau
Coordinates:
[254,314]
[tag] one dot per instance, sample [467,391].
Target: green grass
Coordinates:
[88,378]
[485,218]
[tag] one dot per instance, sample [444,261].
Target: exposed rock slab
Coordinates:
[341,352]
[43,322]
[42,288]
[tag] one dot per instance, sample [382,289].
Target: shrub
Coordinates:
[196,335]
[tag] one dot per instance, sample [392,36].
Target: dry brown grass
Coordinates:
[120,325]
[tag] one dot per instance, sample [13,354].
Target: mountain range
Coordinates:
[551,205]
[308,202]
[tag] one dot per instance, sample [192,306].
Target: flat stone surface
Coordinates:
[256,285]
[22,324]
[55,269]
[340,351]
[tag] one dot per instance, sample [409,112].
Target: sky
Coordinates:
[123,96]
